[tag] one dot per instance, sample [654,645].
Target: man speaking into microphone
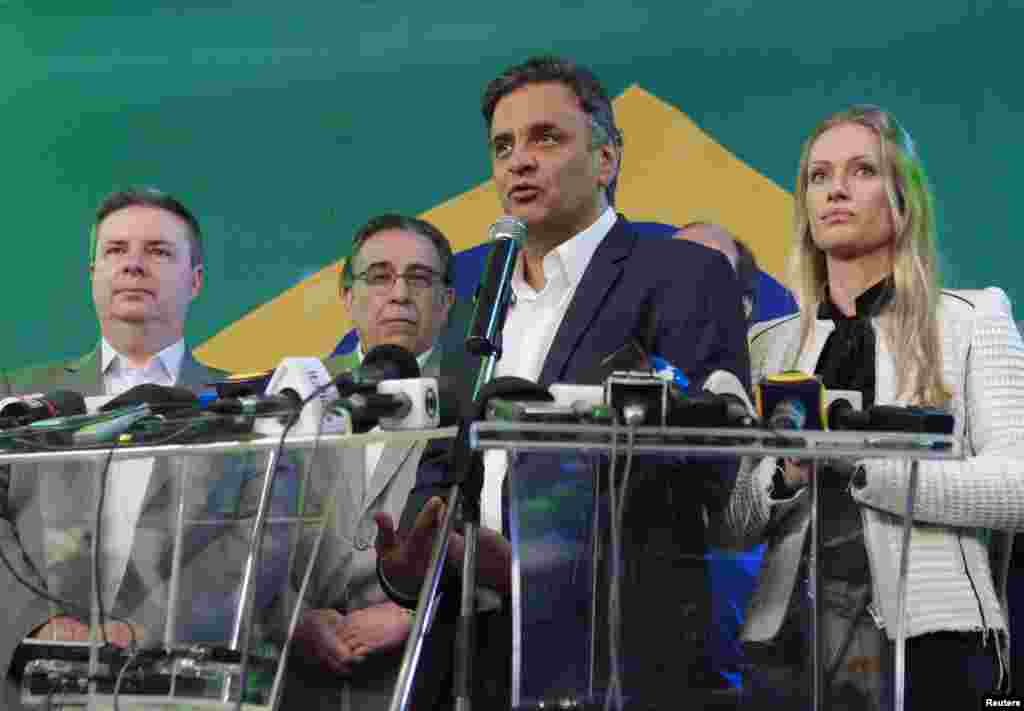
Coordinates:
[586,283]
[146,267]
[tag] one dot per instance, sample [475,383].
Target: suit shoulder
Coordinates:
[973,302]
[36,376]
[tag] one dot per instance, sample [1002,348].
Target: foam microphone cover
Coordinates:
[63,403]
[160,398]
[392,359]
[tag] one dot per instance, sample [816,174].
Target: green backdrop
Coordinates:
[284,125]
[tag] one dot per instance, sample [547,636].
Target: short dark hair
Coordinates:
[148,197]
[393,221]
[584,83]
[748,274]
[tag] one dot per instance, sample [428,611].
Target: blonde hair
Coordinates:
[910,324]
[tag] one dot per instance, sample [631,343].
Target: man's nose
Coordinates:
[132,263]
[400,289]
[521,160]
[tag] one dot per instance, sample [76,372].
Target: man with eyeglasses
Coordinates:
[397,289]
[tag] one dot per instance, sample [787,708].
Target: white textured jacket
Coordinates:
[950,583]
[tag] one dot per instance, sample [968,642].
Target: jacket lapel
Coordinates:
[598,281]
[83,375]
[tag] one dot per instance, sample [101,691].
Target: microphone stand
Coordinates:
[484,340]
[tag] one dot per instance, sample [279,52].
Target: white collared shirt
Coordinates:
[530,327]
[375,449]
[162,369]
[128,480]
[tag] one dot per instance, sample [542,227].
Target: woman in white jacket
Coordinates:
[873,318]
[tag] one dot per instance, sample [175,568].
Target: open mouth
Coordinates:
[525,193]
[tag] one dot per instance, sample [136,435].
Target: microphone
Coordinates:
[492,296]
[383,362]
[890,418]
[405,404]
[367,409]
[161,399]
[844,415]
[739,411]
[792,400]
[16,412]
[284,402]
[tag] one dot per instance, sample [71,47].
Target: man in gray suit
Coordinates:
[146,267]
[397,289]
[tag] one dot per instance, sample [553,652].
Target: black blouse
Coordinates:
[847,362]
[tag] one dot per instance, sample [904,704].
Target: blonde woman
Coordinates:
[874,319]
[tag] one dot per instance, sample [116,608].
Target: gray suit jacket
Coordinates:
[345,574]
[47,522]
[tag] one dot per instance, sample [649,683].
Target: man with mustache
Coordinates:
[586,284]
[146,267]
[397,288]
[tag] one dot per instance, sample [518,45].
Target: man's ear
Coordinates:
[607,156]
[198,274]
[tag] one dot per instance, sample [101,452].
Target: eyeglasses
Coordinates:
[383,279]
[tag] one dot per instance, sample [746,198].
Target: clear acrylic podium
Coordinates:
[186,572]
[565,644]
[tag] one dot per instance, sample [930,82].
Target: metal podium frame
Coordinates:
[803,444]
[243,619]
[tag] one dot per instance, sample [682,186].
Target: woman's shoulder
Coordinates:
[783,327]
[972,303]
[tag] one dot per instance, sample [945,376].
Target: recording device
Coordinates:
[792,400]
[18,411]
[492,296]
[405,404]
[637,398]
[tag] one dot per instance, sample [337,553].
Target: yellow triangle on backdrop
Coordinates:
[672,172]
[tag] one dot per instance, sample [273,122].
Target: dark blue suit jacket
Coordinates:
[681,300]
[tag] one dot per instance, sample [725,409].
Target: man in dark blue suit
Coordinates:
[585,284]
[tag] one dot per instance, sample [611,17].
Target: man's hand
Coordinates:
[378,628]
[68,629]
[404,558]
[317,638]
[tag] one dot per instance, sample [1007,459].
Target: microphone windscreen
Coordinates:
[393,358]
[160,398]
[66,402]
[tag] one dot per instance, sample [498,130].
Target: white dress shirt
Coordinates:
[530,327]
[128,480]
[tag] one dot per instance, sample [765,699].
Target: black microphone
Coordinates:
[492,296]
[842,415]
[384,362]
[257,405]
[366,409]
[890,418]
[23,411]
[726,386]
[162,399]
